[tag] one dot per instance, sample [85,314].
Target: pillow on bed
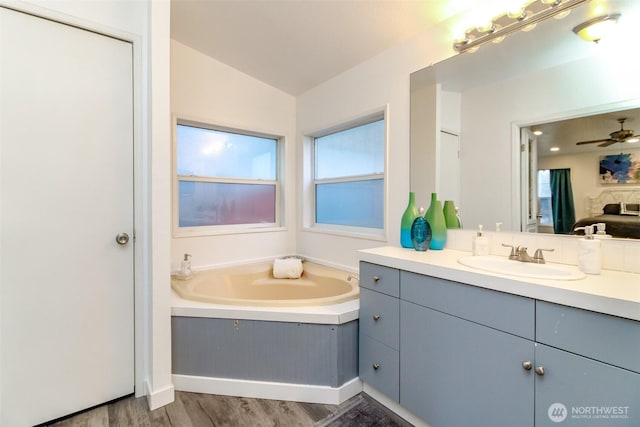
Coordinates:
[629,209]
[611,209]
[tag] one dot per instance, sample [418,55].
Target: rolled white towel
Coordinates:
[287,268]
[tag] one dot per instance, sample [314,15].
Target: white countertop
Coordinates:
[611,292]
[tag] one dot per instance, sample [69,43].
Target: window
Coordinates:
[349,176]
[544,197]
[225,178]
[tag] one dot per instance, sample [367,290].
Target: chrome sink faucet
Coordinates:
[519,253]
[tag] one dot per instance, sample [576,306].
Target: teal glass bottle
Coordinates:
[420,232]
[451,218]
[435,217]
[410,214]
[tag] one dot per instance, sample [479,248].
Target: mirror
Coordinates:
[531,80]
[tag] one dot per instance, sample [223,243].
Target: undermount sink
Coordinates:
[503,265]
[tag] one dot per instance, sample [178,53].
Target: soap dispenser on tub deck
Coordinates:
[185,267]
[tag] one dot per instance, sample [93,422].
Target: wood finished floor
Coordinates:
[203,410]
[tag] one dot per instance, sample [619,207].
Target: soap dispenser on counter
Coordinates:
[480,243]
[185,268]
[589,252]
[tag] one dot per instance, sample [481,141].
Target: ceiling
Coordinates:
[294,45]
[565,133]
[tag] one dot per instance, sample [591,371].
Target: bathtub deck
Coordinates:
[195,410]
[328,314]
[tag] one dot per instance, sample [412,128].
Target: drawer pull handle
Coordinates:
[376,279]
[540,370]
[376,366]
[527,365]
[376,317]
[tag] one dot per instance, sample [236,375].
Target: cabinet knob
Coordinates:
[540,370]
[527,365]
[376,366]
[376,317]
[376,279]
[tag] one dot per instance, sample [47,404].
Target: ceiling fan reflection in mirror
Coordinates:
[622,135]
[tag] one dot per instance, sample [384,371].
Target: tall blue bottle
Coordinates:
[410,214]
[420,232]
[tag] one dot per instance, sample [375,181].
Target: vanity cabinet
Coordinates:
[379,328]
[591,366]
[474,356]
[461,353]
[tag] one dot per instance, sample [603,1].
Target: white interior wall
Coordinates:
[379,82]
[584,174]
[209,91]
[489,112]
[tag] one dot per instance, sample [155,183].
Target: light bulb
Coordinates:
[594,29]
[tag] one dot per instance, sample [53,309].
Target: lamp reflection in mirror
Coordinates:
[595,29]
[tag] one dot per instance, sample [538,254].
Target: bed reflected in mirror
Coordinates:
[584,171]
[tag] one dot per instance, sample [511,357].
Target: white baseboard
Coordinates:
[268,390]
[161,397]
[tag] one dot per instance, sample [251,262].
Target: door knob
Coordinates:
[122,239]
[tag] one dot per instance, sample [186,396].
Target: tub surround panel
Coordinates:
[296,353]
[612,292]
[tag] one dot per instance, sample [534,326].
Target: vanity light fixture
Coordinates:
[594,29]
[508,23]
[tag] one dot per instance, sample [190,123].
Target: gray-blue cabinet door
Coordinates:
[454,372]
[577,391]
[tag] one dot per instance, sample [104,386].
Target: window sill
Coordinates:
[178,234]
[353,232]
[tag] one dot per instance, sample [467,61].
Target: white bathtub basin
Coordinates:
[503,265]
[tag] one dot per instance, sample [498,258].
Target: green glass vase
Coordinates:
[435,217]
[450,215]
[409,215]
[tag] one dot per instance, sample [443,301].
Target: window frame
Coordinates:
[309,220]
[208,230]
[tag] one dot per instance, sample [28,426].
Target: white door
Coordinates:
[529,181]
[66,188]
[449,179]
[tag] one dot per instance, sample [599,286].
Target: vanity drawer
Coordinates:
[379,366]
[380,317]
[609,339]
[509,313]
[380,278]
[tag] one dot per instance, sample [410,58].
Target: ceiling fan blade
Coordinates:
[608,143]
[595,140]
